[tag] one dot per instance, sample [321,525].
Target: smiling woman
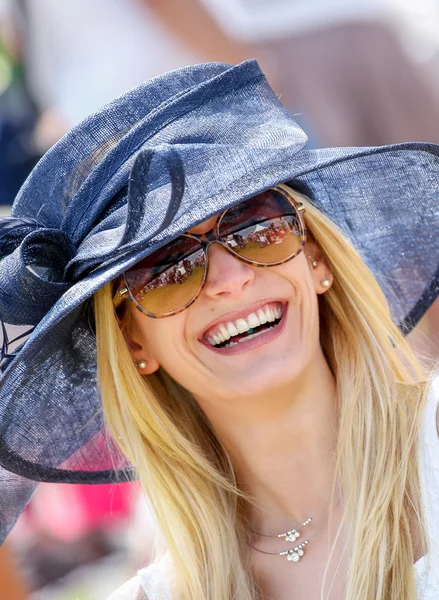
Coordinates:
[295,409]
[250,300]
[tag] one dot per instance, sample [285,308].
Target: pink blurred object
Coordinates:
[68,512]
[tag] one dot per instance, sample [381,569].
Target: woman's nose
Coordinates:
[227,275]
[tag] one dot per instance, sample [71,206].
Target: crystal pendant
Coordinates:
[294,556]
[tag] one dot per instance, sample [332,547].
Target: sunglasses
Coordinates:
[266,230]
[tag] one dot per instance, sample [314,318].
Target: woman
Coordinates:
[247,361]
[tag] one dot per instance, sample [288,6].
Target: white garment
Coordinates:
[427,567]
[156,581]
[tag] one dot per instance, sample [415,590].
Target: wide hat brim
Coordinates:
[218,136]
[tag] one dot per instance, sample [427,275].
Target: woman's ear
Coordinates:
[141,355]
[320,270]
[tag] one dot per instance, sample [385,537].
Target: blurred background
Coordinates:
[353,72]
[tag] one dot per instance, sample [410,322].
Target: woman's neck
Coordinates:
[283,448]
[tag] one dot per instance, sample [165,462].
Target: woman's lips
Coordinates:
[252,342]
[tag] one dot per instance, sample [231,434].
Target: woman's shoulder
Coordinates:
[131,590]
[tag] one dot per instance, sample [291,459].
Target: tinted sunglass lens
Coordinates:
[160,285]
[265,229]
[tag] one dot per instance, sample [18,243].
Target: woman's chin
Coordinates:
[263,379]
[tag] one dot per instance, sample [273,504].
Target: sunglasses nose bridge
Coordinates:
[214,239]
[209,237]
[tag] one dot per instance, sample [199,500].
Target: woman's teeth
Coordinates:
[225,331]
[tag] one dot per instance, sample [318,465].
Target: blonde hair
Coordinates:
[189,479]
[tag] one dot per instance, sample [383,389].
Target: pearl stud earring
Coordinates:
[313,262]
[327,282]
[141,364]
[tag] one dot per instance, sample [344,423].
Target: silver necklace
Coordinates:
[293,554]
[296,553]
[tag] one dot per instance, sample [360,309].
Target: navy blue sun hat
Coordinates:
[144,169]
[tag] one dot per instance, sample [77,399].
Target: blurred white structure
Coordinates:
[81,54]
[255,21]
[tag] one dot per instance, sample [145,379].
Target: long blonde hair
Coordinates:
[189,479]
